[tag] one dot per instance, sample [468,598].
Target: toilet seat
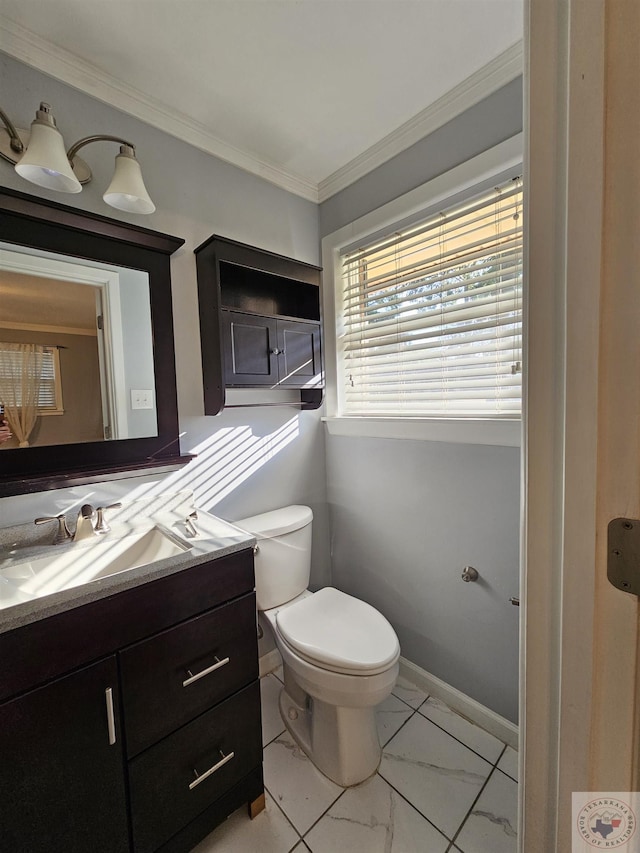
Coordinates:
[334,631]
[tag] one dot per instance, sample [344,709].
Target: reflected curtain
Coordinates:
[20,375]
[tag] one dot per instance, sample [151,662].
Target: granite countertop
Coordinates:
[215,538]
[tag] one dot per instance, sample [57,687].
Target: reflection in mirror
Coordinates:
[76,352]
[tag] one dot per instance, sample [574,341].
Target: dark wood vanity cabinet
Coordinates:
[62,766]
[148,748]
[260,322]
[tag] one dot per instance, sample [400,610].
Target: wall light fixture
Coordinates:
[39,156]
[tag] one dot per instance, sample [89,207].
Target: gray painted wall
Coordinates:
[489,122]
[278,454]
[407,516]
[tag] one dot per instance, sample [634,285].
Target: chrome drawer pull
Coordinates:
[204,672]
[211,770]
[111,718]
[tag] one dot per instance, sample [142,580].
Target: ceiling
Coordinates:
[310,94]
[26,302]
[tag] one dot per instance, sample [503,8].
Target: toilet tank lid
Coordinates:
[277,521]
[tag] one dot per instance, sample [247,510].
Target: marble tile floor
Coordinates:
[443,786]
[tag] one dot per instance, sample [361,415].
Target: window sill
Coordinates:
[503,433]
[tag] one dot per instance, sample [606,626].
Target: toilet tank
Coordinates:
[283,558]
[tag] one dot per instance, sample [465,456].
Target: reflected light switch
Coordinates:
[141,399]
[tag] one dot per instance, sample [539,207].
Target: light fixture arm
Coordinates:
[16,143]
[99,137]
[39,156]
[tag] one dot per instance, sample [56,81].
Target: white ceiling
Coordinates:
[26,300]
[308,93]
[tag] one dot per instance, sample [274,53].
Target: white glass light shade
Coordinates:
[127,190]
[45,161]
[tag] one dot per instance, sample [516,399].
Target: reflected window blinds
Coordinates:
[12,367]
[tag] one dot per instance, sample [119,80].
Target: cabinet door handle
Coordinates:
[111,717]
[211,770]
[204,672]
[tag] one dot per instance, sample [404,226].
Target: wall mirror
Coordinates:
[87,371]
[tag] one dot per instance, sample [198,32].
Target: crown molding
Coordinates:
[491,77]
[27,47]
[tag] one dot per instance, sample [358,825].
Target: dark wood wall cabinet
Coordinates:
[135,721]
[260,322]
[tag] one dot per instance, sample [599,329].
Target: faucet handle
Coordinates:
[101,525]
[63,533]
[189,525]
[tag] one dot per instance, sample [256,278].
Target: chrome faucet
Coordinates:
[63,534]
[84,524]
[189,524]
[101,525]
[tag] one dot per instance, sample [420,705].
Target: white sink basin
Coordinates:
[69,566]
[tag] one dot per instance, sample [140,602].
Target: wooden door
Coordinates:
[250,349]
[581,673]
[62,787]
[299,353]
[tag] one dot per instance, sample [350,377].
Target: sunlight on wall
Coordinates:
[224,461]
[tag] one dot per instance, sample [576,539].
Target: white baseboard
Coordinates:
[488,720]
[269,662]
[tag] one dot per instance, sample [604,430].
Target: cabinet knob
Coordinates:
[275,351]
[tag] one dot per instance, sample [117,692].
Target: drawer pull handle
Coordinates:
[211,770]
[111,719]
[204,672]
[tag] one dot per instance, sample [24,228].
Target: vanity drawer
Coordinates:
[165,792]
[172,677]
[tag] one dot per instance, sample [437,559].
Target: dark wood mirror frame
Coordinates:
[28,221]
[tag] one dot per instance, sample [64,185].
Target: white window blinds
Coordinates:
[431,321]
[11,371]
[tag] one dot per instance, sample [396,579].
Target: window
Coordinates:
[430,317]
[12,365]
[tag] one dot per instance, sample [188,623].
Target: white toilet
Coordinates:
[340,655]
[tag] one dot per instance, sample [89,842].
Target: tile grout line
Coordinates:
[451,848]
[504,773]
[473,804]
[387,742]
[316,822]
[279,807]
[462,743]
[415,808]
[264,746]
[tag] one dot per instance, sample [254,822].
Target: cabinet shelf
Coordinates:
[260,322]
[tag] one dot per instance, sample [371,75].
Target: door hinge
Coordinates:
[107,431]
[623,554]
[100,321]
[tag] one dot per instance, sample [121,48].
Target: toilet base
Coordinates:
[342,742]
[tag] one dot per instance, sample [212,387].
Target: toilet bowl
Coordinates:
[340,655]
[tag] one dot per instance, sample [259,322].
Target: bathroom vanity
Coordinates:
[129,707]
